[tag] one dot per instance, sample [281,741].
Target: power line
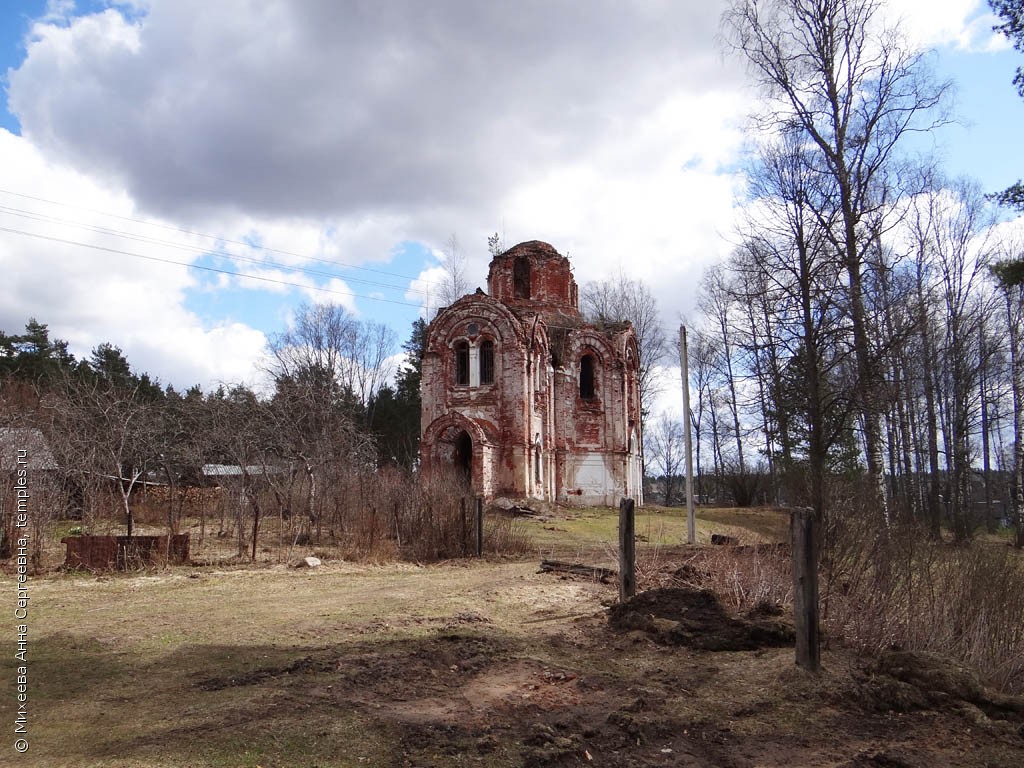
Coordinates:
[33,216]
[202,251]
[261,278]
[188,265]
[196,233]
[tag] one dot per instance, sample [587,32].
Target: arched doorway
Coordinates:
[457,449]
[462,459]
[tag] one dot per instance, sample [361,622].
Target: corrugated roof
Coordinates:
[233,470]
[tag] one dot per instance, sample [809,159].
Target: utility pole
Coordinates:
[691,516]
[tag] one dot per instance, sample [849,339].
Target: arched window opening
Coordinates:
[536,464]
[521,278]
[487,362]
[462,363]
[587,365]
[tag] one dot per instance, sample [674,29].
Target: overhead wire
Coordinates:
[189,265]
[33,216]
[196,233]
[146,239]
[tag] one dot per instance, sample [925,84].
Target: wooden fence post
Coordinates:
[805,588]
[627,551]
[479,526]
[463,539]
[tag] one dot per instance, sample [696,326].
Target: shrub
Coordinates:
[885,588]
[896,588]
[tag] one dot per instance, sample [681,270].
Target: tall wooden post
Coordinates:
[627,551]
[805,588]
[479,526]
[684,365]
[464,538]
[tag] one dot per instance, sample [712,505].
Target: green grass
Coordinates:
[598,527]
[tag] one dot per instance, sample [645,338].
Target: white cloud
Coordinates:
[322,135]
[423,290]
[58,10]
[334,291]
[379,117]
[656,208]
[88,295]
[964,24]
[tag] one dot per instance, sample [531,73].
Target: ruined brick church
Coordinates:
[524,399]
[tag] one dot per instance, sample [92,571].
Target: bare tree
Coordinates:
[959,254]
[666,451]
[370,363]
[718,303]
[181,442]
[702,356]
[622,298]
[455,284]
[106,433]
[789,260]
[853,89]
[328,369]
[240,433]
[1008,271]
[327,346]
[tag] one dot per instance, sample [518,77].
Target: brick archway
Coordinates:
[460,444]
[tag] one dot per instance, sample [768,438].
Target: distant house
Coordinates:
[230,470]
[27,480]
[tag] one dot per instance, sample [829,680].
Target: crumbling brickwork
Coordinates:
[525,399]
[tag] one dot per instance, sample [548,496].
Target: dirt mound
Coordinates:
[883,759]
[905,681]
[696,619]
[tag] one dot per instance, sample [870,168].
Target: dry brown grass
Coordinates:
[373,517]
[897,588]
[467,662]
[880,589]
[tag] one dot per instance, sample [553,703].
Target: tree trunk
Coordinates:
[1015,316]
[868,394]
[934,504]
[986,451]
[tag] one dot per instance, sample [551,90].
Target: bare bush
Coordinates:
[743,577]
[882,588]
[896,588]
[371,516]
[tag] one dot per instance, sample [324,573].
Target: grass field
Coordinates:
[476,662]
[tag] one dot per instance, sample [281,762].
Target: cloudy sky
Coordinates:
[179,175]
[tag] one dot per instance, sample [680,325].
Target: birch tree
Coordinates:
[834,75]
[1008,272]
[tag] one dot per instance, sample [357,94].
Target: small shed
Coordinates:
[27,480]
